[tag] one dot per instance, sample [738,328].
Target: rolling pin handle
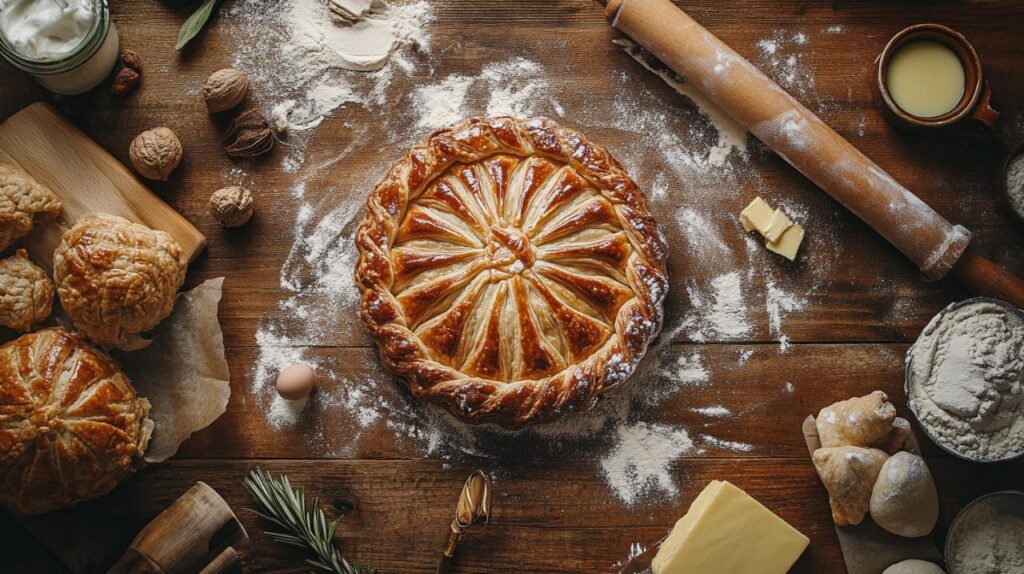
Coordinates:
[982,277]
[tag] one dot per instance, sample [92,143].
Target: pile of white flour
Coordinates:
[967,379]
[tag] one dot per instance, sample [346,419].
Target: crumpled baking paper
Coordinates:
[184,372]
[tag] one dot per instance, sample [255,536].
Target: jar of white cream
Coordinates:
[69,46]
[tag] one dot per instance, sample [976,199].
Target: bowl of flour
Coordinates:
[987,536]
[965,380]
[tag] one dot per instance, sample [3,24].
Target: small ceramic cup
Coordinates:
[974,108]
[1004,188]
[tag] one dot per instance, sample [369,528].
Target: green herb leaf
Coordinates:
[307,528]
[196,22]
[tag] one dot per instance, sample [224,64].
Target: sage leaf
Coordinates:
[196,22]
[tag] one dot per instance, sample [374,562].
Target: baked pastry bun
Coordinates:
[23,203]
[70,422]
[117,279]
[26,293]
[510,271]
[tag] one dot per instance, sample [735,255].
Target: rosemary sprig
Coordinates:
[304,528]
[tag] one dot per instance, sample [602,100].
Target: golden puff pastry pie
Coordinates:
[510,271]
[117,279]
[71,423]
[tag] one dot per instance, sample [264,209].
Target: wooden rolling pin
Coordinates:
[714,69]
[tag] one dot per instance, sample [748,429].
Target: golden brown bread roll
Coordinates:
[71,423]
[117,279]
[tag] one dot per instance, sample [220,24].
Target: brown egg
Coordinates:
[295,382]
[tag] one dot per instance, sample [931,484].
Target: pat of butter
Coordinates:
[757,216]
[789,243]
[778,225]
[728,532]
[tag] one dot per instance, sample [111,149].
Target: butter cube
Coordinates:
[778,225]
[728,532]
[757,216]
[789,243]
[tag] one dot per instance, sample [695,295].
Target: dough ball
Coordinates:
[904,500]
[914,567]
[117,279]
[26,293]
[860,421]
[848,473]
[23,203]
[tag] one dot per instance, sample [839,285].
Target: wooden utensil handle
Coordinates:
[794,132]
[983,277]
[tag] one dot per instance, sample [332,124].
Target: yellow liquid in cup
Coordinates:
[925,79]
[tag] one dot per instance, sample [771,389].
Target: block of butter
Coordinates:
[728,532]
[781,235]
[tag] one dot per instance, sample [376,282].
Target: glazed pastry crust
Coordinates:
[70,422]
[26,293]
[117,279]
[510,271]
[23,202]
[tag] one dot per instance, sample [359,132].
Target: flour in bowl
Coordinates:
[967,379]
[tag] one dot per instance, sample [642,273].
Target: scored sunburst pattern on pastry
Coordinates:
[510,270]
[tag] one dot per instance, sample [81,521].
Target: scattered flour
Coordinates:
[306,62]
[441,103]
[640,463]
[716,411]
[783,62]
[513,87]
[722,312]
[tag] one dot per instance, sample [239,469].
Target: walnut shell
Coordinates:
[249,135]
[117,279]
[26,293]
[225,89]
[232,206]
[155,153]
[23,203]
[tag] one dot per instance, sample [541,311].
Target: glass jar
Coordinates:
[76,71]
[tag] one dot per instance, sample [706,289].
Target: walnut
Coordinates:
[155,153]
[232,206]
[23,203]
[117,279]
[249,135]
[129,74]
[26,293]
[225,89]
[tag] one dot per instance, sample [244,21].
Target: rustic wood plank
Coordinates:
[396,512]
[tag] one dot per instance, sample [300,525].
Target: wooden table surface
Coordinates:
[553,511]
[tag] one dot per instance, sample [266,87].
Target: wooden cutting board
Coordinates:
[88,180]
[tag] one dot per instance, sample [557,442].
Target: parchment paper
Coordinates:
[184,372]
